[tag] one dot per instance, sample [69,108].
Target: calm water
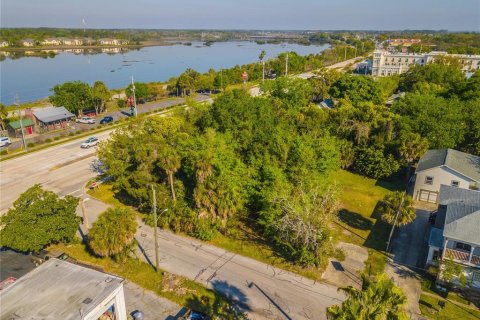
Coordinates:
[32,77]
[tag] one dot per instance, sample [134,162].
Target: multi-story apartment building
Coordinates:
[389,63]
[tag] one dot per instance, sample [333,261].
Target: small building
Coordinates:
[326,104]
[59,289]
[27,43]
[444,166]
[4,43]
[51,42]
[112,42]
[455,234]
[14,128]
[52,118]
[73,42]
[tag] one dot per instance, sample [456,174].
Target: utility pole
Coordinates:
[155,227]
[286,65]
[134,99]
[345,53]
[394,222]
[263,71]
[221,79]
[21,122]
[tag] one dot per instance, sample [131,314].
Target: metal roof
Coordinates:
[464,163]
[462,218]
[57,290]
[16,124]
[53,114]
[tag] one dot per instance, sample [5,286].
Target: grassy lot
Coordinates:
[358,221]
[429,307]
[175,288]
[245,242]
[357,224]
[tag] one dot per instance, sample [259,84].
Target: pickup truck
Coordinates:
[87,120]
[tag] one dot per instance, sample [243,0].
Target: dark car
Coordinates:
[432,217]
[194,315]
[106,120]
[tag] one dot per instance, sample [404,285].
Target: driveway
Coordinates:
[410,249]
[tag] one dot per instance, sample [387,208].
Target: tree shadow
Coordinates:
[224,305]
[394,184]
[378,236]
[354,220]
[231,293]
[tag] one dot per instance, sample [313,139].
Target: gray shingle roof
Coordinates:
[52,114]
[463,163]
[462,219]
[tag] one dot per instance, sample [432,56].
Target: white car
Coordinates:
[85,120]
[5,141]
[90,142]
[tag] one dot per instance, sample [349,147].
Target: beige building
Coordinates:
[27,43]
[387,63]
[4,44]
[72,42]
[51,42]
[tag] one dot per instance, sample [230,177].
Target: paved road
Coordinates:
[117,114]
[265,292]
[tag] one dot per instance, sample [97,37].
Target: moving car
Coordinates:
[106,119]
[90,142]
[85,120]
[194,315]
[5,141]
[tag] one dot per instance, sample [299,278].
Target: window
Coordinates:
[462,246]
[428,180]
[455,183]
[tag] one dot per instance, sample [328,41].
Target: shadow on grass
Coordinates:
[230,305]
[354,220]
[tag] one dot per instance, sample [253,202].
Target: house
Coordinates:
[53,118]
[27,43]
[4,43]
[59,289]
[326,104]
[444,166]
[112,42]
[455,234]
[72,42]
[51,42]
[14,128]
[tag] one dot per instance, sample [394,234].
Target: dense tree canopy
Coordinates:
[356,89]
[75,96]
[113,232]
[39,218]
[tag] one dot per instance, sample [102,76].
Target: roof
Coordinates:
[462,218]
[436,238]
[52,114]
[57,290]
[14,264]
[16,124]
[464,163]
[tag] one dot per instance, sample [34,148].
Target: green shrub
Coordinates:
[71,134]
[204,229]
[3,152]
[56,138]
[121,103]
[30,144]
[48,140]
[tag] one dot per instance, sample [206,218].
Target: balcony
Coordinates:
[462,256]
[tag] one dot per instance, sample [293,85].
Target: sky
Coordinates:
[454,15]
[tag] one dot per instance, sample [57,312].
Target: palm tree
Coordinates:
[3,116]
[412,148]
[113,232]
[261,57]
[378,299]
[171,164]
[396,209]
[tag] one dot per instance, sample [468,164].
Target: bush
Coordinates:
[204,229]
[71,134]
[373,163]
[48,140]
[121,103]
[30,144]
[56,138]
[3,152]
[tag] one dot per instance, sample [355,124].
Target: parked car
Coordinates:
[106,119]
[5,141]
[85,120]
[432,217]
[194,315]
[90,142]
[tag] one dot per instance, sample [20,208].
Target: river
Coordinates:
[33,77]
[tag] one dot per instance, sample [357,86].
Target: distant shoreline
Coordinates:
[64,47]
